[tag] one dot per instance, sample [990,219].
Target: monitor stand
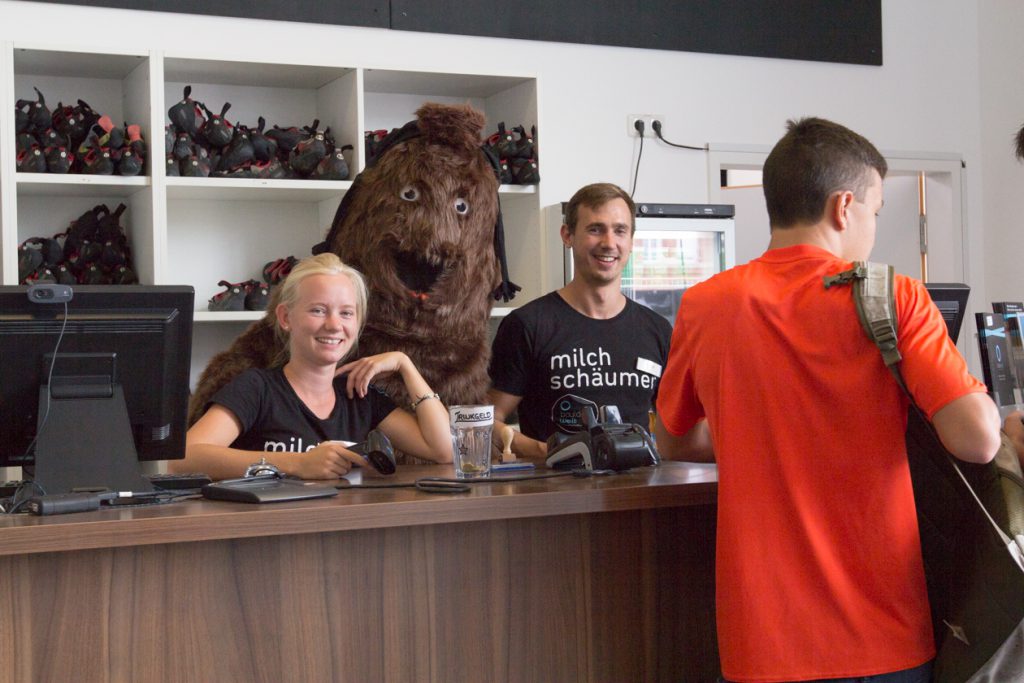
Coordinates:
[86,442]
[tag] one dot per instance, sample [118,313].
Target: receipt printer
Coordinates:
[602,446]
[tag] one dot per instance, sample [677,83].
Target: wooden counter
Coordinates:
[567,579]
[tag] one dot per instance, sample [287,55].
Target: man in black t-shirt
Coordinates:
[585,343]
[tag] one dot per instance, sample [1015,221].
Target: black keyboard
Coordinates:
[179,482]
[267,489]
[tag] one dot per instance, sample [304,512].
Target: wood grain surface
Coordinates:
[622,595]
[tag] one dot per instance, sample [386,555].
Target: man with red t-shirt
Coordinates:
[819,571]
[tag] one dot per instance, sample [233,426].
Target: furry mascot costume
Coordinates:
[423,225]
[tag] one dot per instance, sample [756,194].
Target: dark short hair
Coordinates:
[814,159]
[1020,143]
[595,195]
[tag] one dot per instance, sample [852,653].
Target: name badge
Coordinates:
[648,366]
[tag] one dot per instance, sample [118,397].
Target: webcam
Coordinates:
[50,294]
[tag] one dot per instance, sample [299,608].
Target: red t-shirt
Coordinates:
[819,571]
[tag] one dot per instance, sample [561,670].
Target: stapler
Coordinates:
[602,446]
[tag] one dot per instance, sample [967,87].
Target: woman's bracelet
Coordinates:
[416,404]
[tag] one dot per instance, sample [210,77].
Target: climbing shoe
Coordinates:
[31,160]
[186,115]
[264,148]
[217,130]
[231,299]
[257,294]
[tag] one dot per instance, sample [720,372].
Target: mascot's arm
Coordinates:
[522,445]
[257,347]
[206,450]
[423,432]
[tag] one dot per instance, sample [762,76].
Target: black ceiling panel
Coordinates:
[848,31]
[374,13]
[819,30]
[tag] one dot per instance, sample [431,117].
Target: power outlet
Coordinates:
[648,119]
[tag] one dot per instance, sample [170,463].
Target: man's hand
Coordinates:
[694,446]
[1013,425]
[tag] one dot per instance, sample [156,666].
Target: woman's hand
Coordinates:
[328,460]
[361,372]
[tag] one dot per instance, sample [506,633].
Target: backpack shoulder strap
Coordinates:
[875,299]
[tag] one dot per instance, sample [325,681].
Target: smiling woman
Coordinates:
[298,414]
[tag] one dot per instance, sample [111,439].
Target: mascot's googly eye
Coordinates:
[409,193]
[461,206]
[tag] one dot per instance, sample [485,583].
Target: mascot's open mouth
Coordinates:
[418,272]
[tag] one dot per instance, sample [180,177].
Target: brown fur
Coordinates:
[442,328]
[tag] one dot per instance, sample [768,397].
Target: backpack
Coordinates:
[971,519]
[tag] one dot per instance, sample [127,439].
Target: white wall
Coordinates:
[1001,176]
[926,97]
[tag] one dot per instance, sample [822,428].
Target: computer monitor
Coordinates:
[93,379]
[951,300]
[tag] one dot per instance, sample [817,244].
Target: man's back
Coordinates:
[816,512]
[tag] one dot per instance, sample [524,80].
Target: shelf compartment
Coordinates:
[183,69]
[392,97]
[115,84]
[46,214]
[215,239]
[478,86]
[283,94]
[33,60]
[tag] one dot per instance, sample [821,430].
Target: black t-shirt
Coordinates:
[274,418]
[549,354]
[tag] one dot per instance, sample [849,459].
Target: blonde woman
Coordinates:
[295,414]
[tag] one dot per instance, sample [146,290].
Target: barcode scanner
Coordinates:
[377,451]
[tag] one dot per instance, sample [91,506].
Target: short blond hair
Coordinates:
[287,293]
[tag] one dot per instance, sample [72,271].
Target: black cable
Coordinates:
[26,491]
[49,387]
[656,125]
[149,498]
[639,125]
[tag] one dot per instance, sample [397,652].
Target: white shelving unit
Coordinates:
[198,231]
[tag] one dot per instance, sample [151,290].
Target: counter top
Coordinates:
[672,484]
